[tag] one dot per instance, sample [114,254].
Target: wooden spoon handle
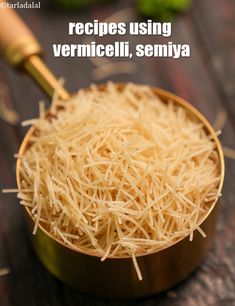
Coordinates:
[17,42]
[20,48]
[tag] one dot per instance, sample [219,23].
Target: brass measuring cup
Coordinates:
[115,277]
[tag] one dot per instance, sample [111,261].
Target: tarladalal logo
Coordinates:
[19,5]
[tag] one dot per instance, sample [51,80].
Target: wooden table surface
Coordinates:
[207,80]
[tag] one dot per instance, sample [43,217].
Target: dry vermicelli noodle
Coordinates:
[118,172]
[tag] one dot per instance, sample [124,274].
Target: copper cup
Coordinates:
[116,277]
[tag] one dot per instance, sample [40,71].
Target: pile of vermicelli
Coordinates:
[119,173]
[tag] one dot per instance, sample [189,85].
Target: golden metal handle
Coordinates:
[20,49]
[44,77]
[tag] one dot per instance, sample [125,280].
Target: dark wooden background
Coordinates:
[207,80]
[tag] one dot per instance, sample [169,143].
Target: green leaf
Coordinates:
[162,9]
